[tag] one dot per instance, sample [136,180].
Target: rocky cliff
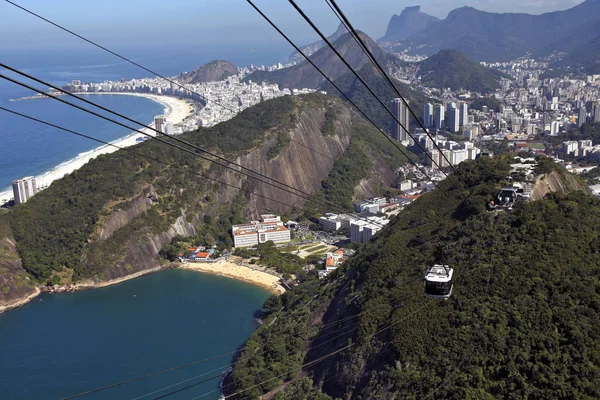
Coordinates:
[16,285]
[556,182]
[410,22]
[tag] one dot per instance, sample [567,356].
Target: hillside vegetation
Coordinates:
[522,322]
[112,217]
[454,70]
[53,228]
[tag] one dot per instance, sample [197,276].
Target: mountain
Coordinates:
[363,98]
[583,49]
[485,36]
[216,70]
[112,217]
[313,47]
[523,320]
[303,75]
[410,22]
[452,69]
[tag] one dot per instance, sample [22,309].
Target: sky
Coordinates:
[159,23]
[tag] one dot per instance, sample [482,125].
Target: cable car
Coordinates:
[438,282]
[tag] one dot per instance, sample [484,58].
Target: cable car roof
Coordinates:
[439,273]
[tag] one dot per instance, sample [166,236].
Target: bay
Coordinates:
[62,344]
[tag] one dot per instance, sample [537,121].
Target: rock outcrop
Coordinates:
[16,287]
[556,182]
[122,217]
[410,22]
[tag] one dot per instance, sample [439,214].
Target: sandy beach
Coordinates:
[176,110]
[235,271]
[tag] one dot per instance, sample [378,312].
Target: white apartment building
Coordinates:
[406,185]
[159,123]
[330,222]
[362,231]
[24,189]
[268,228]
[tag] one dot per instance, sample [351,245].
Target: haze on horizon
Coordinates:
[180,23]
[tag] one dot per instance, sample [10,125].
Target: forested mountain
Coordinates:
[485,36]
[111,217]
[357,92]
[452,69]
[410,22]
[523,321]
[304,75]
[216,70]
[584,51]
[313,47]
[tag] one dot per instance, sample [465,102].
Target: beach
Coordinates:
[176,110]
[235,271]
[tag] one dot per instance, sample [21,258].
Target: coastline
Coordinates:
[21,302]
[222,268]
[86,285]
[176,110]
[235,271]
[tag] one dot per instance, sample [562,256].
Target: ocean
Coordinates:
[28,148]
[59,345]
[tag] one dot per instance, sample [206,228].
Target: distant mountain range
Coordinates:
[446,69]
[485,36]
[215,70]
[411,22]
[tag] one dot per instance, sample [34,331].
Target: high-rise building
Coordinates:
[453,117]
[24,188]
[554,128]
[159,123]
[401,114]
[169,128]
[597,112]
[581,116]
[428,115]
[439,116]
[464,113]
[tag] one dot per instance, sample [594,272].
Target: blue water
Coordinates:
[28,148]
[59,345]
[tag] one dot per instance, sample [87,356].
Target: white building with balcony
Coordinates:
[268,228]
